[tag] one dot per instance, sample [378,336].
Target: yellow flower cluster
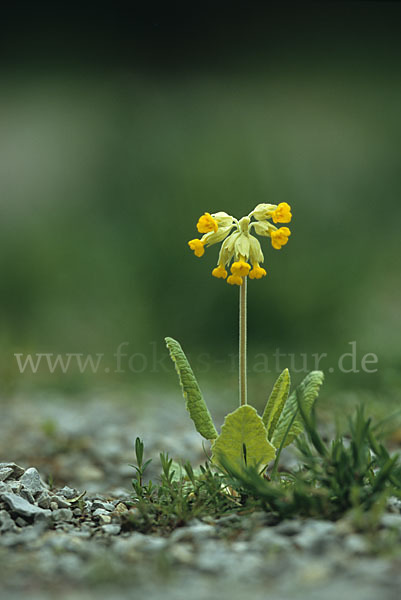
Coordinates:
[239,245]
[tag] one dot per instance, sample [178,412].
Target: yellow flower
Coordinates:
[197,246]
[282,214]
[257,272]
[235,280]
[280,237]
[207,223]
[240,268]
[239,247]
[219,272]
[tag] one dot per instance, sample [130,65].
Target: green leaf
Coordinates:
[307,392]
[243,440]
[195,403]
[276,402]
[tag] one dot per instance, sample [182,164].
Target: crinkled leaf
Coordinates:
[195,403]
[276,402]
[307,391]
[243,440]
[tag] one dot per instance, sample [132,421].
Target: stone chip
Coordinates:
[20,505]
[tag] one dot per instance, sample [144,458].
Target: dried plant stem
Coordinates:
[242,344]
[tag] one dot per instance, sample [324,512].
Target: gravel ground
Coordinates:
[57,542]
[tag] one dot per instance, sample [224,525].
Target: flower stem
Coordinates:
[242,344]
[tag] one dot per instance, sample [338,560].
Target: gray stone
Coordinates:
[4,473]
[27,495]
[139,543]
[105,519]
[64,526]
[182,553]
[391,520]
[43,519]
[103,505]
[13,486]
[111,529]
[65,542]
[289,528]
[315,536]
[24,537]
[17,471]
[79,533]
[228,520]
[43,500]
[260,519]
[32,481]
[267,540]
[61,502]
[196,533]
[214,557]
[394,505]
[20,505]
[69,493]
[100,511]
[356,544]
[62,514]
[6,522]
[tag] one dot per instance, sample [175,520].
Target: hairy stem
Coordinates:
[242,344]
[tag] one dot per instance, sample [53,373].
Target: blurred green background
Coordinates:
[118,130]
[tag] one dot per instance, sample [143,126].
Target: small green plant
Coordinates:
[182,494]
[140,469]
[246,438]
[351,473]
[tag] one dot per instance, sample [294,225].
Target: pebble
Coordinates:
[24,493]
[20,505]
[60,501]
[120,509]
[68,493]
[112,529]
[315,536]
[32,481]
[16,470]
[105,519]
[391,521]
[43,500]
[62,514]
[394,505]
[100,511]
[108,506]
[196,532]
[4,473]
[182,553]
[6,522]
[139,543]
[289,528]
[267,540]
[356,544]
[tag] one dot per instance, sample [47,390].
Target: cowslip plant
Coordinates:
[246,438]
